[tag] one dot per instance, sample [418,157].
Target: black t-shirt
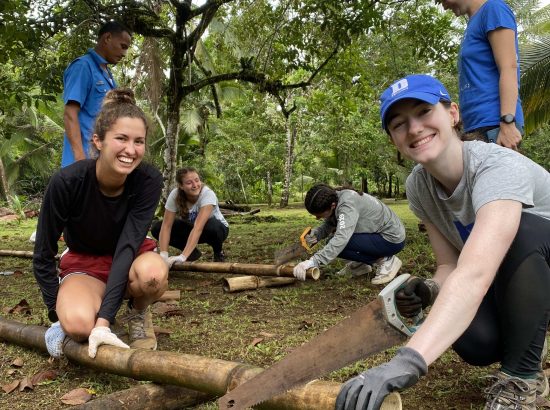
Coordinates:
[95,224]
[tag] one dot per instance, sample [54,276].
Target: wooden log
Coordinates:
[147,397]
[253,282]
[235,207]
[255,269]
[21,254]
[170,295]
[211,376]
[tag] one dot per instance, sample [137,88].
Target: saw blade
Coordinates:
[289,253]
[363,334]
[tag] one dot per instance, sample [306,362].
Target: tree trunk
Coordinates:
[171,147]
[4,183]
[390,186]
[269,189]
[290,139]
[364,185]
[242,187]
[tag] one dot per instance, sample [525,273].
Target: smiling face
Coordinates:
[422,131]
[191,184]
[123,147]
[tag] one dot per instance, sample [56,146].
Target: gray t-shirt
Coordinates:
[356,214]
[491,173]
[206,197]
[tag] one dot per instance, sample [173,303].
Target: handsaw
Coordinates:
[297,250]
[372,328]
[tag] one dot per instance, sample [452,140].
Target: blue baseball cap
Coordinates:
[418,86]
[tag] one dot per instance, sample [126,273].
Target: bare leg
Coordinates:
[78,302]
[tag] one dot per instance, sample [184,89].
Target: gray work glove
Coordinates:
[311,238]
[368,390]
[417,294]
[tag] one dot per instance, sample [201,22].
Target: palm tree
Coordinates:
[535,77]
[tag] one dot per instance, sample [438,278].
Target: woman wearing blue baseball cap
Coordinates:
[487,213]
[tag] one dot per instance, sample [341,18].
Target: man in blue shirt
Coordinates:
[86,81]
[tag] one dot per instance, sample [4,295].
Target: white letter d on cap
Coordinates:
[399,86]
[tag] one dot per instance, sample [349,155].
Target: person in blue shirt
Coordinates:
[488,68]
[86,81]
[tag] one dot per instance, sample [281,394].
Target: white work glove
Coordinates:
[164,256]
[299,270]
[176,259]
[102,335]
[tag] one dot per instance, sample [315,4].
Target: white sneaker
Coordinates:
[387,270]
[355,268]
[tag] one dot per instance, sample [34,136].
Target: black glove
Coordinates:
[417,294]
[368,390]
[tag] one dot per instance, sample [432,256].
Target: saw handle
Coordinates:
[303,238]
[387,296]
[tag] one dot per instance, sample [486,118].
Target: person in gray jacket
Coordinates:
[365,232]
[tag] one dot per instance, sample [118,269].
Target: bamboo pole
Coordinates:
[253,282]
[255,269]
[147,397]
[211,376]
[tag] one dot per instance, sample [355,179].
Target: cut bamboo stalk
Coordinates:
[147,397]
[170,295]
[255,269]
[253,282]
[211,376]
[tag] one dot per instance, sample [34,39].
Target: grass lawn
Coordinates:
[223,325]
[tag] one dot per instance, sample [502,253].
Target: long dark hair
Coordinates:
[181,198]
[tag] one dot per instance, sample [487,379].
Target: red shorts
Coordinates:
[94,265]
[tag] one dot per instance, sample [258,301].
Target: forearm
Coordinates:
[451,314]
[508,90]
[192,241]
[164,238]
[73,133]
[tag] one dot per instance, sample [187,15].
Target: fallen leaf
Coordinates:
[18,362]
[17,272]
[76,397]
[22,307]
[11,371]
[41,377]
[305,325]
[8,388]
[162,331]
[256,341]
[25,383]
[265,334]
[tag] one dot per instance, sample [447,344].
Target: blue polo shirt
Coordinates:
[478,78]
[86,83]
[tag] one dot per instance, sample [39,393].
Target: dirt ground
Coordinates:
[227,326]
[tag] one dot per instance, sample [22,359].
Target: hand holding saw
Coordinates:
[297,250]
[372,328]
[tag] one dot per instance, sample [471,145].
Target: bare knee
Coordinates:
[148,275]
[78,324]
